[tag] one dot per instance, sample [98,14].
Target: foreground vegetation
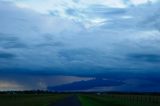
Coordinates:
[39,98]
[30,99]
[119,100]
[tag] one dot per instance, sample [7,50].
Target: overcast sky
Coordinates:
[52,42]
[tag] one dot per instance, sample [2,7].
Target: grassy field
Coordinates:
[29,99]
[85,99]
[119,100]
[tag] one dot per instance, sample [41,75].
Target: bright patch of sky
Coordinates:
[77,8]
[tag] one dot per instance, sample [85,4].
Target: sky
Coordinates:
[64,43]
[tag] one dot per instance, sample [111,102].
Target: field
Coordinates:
[119,100]
[80,99]
[29,99]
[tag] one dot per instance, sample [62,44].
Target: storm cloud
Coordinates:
[4,55]
[152,58]
[116,40]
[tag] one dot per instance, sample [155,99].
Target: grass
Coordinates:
[29,99]
[85,99]
[119,100]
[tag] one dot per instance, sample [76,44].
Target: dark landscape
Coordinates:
[43,98]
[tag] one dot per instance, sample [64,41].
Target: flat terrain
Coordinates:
[79,100]
[119,100]
[69,101]
[30,99]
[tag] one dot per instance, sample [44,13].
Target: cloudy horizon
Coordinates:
[56,42]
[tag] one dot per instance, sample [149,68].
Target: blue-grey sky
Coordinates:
[43,43]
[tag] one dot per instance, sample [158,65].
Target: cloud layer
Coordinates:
[80,38]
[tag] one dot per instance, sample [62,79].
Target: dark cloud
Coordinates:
[10,41]
[120,79]
[77,54]
[152,20]
[36,80]
[85,85]
[152,58]
[5,55]
[51,44]
[14,45]
[8,37]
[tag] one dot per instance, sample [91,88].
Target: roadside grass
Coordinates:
[119,100]
[85,99]
[30,99]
